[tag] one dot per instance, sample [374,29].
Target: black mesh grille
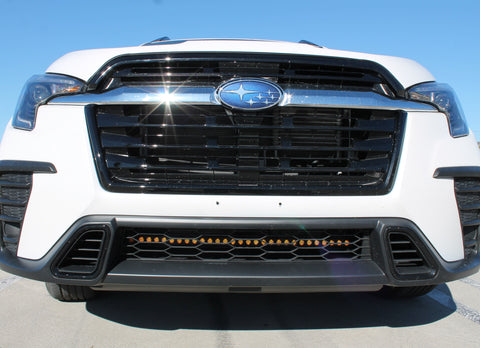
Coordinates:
[245,244]
[284,150]
[210,70]
[15,191]
[468,199]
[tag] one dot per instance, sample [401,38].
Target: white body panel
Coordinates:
[58,200]
[407,72]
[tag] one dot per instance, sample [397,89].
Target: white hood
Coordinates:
[406,71]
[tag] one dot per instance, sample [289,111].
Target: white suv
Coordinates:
[238,166]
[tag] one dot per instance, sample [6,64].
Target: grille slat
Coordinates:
[122,124]
[272,170]
[467,189]
[405,251]
[6,183]
[308,119]
[474,206]
[84,259]
[132,78]
[14,203]
[361,147]
[7,218]
[405,262]
[183,158]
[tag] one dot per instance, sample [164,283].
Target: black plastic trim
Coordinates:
[242,274]
[217,274]
[457,172]
[69,245]
[306,42]
[43,269]
[428,271]
[27,166]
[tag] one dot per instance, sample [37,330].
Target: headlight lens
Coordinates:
[445,99]
[37,90]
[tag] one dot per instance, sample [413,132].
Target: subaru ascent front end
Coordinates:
[238,166]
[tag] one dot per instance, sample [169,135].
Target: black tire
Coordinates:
[69,293]
[406,291]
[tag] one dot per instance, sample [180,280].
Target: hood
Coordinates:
[406,71]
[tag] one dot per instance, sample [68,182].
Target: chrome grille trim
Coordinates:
[206,95]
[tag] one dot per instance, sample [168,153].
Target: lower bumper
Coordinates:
[368,274]
[244,277]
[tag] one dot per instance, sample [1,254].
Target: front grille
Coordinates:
[207,149]
[288,71]
[84,254]
[467,191]
[245,244]
[15,191]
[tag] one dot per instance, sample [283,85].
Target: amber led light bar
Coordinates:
[239,242]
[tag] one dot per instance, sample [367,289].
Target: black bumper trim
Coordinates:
[27,166]
[242,274]
[281,275]
[457,172]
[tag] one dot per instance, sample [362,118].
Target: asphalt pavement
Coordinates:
[447,317]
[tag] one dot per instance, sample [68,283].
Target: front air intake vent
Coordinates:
[85,254]
[407,257]
[15,191]
[467,191]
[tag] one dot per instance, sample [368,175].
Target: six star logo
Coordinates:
[249,94]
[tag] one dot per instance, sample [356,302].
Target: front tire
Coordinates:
[69,293]
[406,291]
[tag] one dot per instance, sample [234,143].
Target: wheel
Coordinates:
[69,293]
[406,291]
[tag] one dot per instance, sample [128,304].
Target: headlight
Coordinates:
[37,90]
[444,98]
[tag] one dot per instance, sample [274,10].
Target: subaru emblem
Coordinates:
[249,94]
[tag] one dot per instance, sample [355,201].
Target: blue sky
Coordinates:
[441,35]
